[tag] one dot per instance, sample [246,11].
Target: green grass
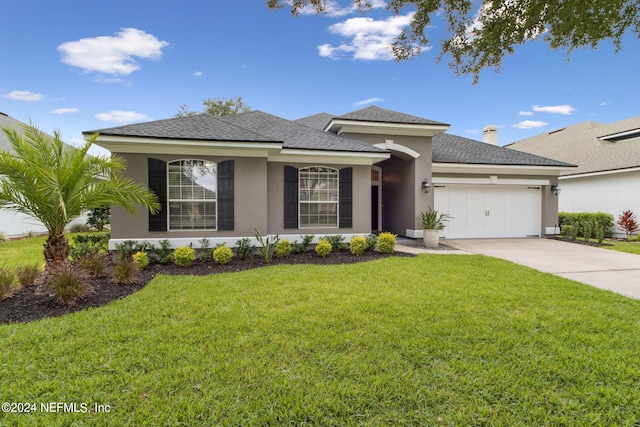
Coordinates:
[14,253]
[431,340]
[630,247]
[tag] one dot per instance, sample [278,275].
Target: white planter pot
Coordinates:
[431,238]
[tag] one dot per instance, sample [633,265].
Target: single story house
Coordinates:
[370,170]
[608,159]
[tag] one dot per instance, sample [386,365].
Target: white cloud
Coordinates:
[370,39]
[604,104]
[529,124]
[555,109]
[333,9]
[525,113]
[472,131]
[23,95]
[198,73]
[65,111]
[112,54]
[366,102]
[118,116]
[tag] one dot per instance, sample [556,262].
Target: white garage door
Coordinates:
[481,211]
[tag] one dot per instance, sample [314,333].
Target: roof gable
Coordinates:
[377,114]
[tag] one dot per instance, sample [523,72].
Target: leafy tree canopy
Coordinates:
[217,107]
[481,33]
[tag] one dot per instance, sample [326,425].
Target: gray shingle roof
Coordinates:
[296,135]
[317,121]
[581,144]
[377,114]
[199,127]
[449,148]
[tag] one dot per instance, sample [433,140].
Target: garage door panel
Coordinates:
[481,211]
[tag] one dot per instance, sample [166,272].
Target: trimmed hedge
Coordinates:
[604,220]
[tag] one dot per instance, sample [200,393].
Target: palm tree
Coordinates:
[55,183]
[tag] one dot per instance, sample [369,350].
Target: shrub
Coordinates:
[164,252]
[298,248]
[587,230]
[94,264]
[125,272]
[85,244]
[576,218]
[599,234]
[267,246]
[244,249]
[68,283]
[323,247]
[386,242]
[184,256]
[358,245]
[205,250]
[283,248]
[126,249]
[372,242]
[222,254]
[7,283]
[98,218]
[140,259]
[79,228]
[337,243]
[27,274]
[627,223]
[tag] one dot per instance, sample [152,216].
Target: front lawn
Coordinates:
[430,340]
[630,247]
[15,253]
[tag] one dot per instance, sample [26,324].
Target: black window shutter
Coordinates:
[158,184]
[290,197]
[226,195]
[346,195]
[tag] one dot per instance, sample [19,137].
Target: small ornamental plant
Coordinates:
[27,274]
[69,283]
[386,242]
[358,245]
[627,223]
[125,272]
[140,259]
[323,247]
[184,256]
[283,248]
[222,254]
[7,283]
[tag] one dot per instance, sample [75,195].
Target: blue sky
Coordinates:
[78,65]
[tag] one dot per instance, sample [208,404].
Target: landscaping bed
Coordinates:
[36,302]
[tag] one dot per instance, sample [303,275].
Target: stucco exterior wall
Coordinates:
[361,201]
[402,175]
[609,193]
[250,201]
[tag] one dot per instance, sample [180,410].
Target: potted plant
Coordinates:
[432,222]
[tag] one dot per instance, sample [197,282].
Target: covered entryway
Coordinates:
[481,211]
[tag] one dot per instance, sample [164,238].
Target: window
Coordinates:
[318,197]
[193,195]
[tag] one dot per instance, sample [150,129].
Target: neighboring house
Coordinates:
[370,170]
[607,178]
[14,224]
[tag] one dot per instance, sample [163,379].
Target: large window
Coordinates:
[318,197]
[193,195]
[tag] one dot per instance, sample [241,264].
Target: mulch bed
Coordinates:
[581,241]
[37,302]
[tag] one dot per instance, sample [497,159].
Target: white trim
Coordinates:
[341,126]
[501,169]
[634,132]
[177,242]
[390,145]
[491,180]
[609,172]
[330,153]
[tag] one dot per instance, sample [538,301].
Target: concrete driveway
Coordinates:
[606,269]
